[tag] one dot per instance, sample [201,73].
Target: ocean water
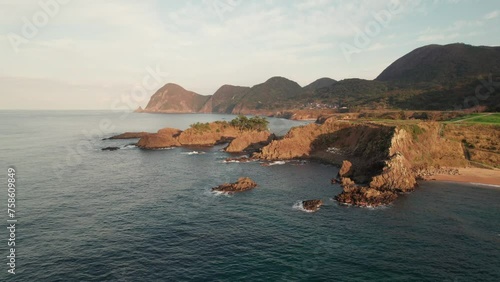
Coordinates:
[135,215]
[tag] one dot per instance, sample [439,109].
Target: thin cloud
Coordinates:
[491,15]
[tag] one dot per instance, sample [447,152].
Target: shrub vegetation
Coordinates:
[255,123]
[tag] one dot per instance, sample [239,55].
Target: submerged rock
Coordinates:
[128,135]
[243,159]
[110,148]
[243,184]
[312,205]
[365,196]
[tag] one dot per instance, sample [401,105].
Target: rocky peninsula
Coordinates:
[377,160]
[242,134]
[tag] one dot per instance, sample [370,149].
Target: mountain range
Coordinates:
[432,77]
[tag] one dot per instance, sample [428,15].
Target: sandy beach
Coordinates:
[471,175]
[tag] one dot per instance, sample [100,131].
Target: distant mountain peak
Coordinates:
[443,64]
[173,98]
[320,83]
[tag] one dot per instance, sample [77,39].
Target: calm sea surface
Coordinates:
[135,215]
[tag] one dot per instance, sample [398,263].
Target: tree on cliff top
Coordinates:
[254,123]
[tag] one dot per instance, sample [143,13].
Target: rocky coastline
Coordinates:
[378,161]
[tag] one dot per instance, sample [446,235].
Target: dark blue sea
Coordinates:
[136,215]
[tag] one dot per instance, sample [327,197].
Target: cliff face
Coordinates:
[250,141]
[329,141]
[384,159]
[164,138]
[172,98]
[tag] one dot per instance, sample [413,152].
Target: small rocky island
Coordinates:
[243,184]
[312,205]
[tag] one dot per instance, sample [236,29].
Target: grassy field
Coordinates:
[487,118]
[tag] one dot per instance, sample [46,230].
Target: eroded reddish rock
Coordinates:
[346,169]
[395,176]
[250,141]
[243,184]
[174,132]
[164,138]
[296,144]
[369,196]
[312,205]
[209,135]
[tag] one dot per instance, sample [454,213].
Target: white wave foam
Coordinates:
[483,184]
[221,193]
[126,147]
[278,163]
[193,153]
[245,159]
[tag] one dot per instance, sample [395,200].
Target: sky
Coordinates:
[114,54]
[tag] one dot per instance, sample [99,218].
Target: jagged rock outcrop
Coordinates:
[365,196]
[312,205]
[313,140]
[295,144]
[243,184]
[380,160]
[411,147]
[396,175]
[250,141]
[164,138]
[346,169]
[208,134]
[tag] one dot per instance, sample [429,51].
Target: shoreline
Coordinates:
[471,175]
